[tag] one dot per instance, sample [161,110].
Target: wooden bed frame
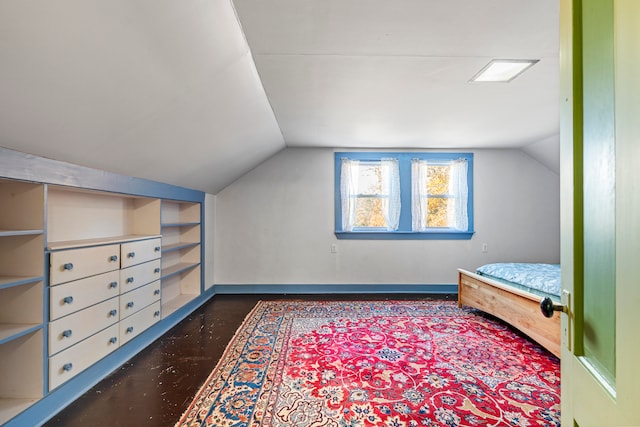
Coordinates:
[515,306]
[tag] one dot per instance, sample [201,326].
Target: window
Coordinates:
[439,194]
[370,194]
[404,195]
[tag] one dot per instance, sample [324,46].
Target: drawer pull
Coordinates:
[156,292]
[130,329]
[113,312]
[113,340]
[67,300]
[67,333]
[156,270]
[113,285]
[113,258]
[67,367]
[157,313]
[129,279]
[157,249]
[130,304]
[68,266]
[131,254]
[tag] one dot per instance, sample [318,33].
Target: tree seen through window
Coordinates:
[369,209]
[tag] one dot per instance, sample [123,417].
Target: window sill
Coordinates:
[404,235]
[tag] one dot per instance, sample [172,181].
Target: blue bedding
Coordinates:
[544,278]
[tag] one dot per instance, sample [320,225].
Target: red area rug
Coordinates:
[395,364]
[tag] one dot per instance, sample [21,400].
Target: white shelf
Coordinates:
[20,310]
[180,224]
[21,295]
[177,268]
[178,246]
[176,303]
[9,281]
[4,233]
[179,214]
[21,371]
[10,331]
[9,408]
[78,217]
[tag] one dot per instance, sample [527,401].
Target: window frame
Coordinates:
[404,231]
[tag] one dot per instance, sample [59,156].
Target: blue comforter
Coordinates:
[541,277]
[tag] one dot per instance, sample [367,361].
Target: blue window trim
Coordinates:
[404,231]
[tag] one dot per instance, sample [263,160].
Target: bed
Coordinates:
[513,292]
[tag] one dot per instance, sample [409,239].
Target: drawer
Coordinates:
[73,328]
[140,251]
[76,264]
[138,275]
[133,301]
[138,322]
[73,296]
[67,364]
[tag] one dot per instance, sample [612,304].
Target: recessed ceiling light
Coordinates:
[503,70]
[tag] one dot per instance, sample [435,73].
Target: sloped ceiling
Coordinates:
[159,89]
[380,73]
[198,92]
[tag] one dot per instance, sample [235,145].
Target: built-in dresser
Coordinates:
[88,278]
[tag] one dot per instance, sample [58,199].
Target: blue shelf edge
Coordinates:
[9,233]
[172,248]
[21,282]
[180,224]
[22,333]
[183,269]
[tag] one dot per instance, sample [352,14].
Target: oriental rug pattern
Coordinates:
[395,364]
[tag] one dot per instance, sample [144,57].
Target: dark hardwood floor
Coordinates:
[155,387]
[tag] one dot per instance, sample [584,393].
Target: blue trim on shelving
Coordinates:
[20,233]
[183,269]
[202,243]
[22,333]
[180,224]
[166,250]
[46,295]
[404,227]
[24,281]
[26,167]
[337,289]
[47,407]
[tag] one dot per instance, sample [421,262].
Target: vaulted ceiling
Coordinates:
[198,92]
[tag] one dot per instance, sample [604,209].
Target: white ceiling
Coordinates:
[169,90]
[379,73]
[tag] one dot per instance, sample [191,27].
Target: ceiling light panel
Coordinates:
[503,70]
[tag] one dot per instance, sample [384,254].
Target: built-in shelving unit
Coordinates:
[181,254]
[91,265]
[21,296]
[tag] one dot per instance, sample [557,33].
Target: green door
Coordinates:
[600,178]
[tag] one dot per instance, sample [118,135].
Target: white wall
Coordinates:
[275,225]
[546,151]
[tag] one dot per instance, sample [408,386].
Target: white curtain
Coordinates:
[458,217]
[349,174]
[391,180]
[419,195]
